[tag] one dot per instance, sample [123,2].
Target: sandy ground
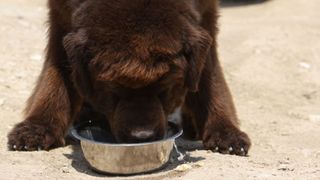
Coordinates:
[271,57]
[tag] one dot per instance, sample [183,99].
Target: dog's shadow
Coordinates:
[80,164]
[234,3]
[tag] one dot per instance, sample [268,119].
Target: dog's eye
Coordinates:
[163,94]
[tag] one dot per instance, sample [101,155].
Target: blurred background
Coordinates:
[270,52]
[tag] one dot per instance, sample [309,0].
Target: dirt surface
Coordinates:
[271,57]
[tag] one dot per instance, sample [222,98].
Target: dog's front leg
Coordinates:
[212,113]
[51,108]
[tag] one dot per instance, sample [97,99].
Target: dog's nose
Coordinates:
[142,134]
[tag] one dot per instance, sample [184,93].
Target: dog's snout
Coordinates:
[142,134]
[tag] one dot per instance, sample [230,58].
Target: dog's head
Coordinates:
[135,60]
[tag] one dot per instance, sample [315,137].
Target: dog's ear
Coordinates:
[75,44]
[196,53]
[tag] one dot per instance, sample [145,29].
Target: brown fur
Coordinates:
[134,62]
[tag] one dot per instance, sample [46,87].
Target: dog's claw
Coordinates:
[243,152]
[230,149]
[216,149]
[14,147]
[25,147]
[39,148]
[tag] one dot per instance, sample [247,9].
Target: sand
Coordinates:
[271,57]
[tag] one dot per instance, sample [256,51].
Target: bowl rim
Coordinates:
[75,134]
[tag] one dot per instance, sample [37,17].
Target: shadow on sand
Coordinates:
[234,3]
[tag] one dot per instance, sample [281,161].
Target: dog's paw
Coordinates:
[227,141]
[27,136]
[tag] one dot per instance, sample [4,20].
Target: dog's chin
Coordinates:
[139,137]
[131,140]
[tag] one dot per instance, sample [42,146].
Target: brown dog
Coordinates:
[135,62]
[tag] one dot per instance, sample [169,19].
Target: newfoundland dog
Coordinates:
[133,62]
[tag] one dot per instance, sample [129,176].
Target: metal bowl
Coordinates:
[105,155]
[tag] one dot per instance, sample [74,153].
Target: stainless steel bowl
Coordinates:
[105,155]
